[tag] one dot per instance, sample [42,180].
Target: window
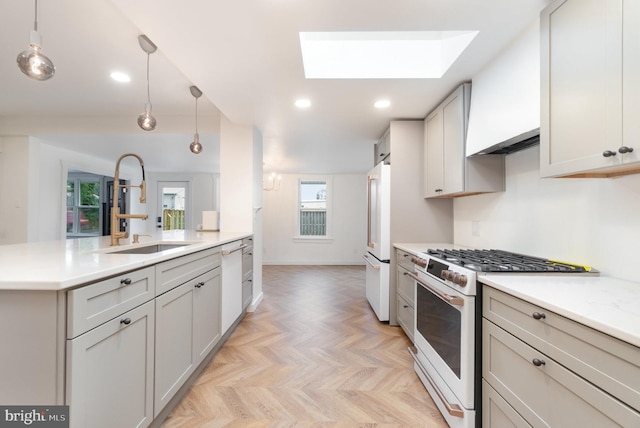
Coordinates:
[313,208]
[83,205]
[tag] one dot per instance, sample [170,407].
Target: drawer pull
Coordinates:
[625,149]
[405,306]
[538,315]
[537,362]
[125,281]
[200,284]
[126,321]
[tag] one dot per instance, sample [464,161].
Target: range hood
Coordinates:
[517,143]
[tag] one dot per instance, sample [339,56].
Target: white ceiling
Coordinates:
[245,57]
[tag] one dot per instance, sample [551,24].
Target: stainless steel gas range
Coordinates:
[448,310]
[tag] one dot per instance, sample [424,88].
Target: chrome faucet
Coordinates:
[116,234]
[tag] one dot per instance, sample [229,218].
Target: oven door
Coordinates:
[444,337]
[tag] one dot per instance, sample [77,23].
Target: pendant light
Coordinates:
[195,146]
[146,121]
[32,61]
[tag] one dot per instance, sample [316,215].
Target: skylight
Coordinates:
[381,54]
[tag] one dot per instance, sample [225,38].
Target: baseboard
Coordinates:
[356,262]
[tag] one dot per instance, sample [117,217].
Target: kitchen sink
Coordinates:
[148,249]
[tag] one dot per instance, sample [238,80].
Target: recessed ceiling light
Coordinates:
[382,104]
[381,54]
[303,103]
[119,76]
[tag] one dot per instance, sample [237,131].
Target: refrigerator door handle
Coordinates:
[370,179]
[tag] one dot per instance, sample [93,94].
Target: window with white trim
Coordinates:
[314,208]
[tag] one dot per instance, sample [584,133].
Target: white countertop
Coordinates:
[58,265]
[606,304]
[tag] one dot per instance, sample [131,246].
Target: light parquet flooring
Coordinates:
[313,354]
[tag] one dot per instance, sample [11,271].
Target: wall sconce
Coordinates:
[146,121]
[272,182]
[32,61]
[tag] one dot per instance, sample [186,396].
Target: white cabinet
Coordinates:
[551,371]
[231,283]
[187,328]
[110,372]
[406,288]
[590,60]
[447,170]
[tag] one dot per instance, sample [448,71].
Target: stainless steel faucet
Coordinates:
[116,234]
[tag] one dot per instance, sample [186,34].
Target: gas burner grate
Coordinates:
[503,261]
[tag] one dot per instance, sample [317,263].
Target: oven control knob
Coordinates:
[445,274]
[461,280]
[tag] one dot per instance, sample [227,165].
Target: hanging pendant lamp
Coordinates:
[195,146]
[32,61]
[146,121]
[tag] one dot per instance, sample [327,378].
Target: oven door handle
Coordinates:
[452,300]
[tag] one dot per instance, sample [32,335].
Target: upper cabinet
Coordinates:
[590,62]
[382,149]
[447,170]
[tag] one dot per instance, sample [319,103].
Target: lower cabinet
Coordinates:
[541,369]
[405,291]
[110,372]
[187,328]
[135,339]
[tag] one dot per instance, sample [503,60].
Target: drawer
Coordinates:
[177,271]
[405,285]
[247,293]
[403,259]
[97,303]
[546,394]
[496,412]
[611,364]
[405,313]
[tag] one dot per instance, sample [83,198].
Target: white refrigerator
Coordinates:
[378,254]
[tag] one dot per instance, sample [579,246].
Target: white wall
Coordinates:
[349,224]
[592,221]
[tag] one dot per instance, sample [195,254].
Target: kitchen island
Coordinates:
[116,334]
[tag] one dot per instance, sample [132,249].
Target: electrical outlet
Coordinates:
[475,228]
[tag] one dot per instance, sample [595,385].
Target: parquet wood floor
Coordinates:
[312,355]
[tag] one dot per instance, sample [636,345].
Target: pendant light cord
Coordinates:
[148,92]
[196,115]
[35,22]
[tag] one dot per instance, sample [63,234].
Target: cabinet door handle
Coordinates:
[537,362]
[608,153]
[200,284]
[538,315]
[125,281]
[625,149]
[440,190]
[405,306]
[125,321]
